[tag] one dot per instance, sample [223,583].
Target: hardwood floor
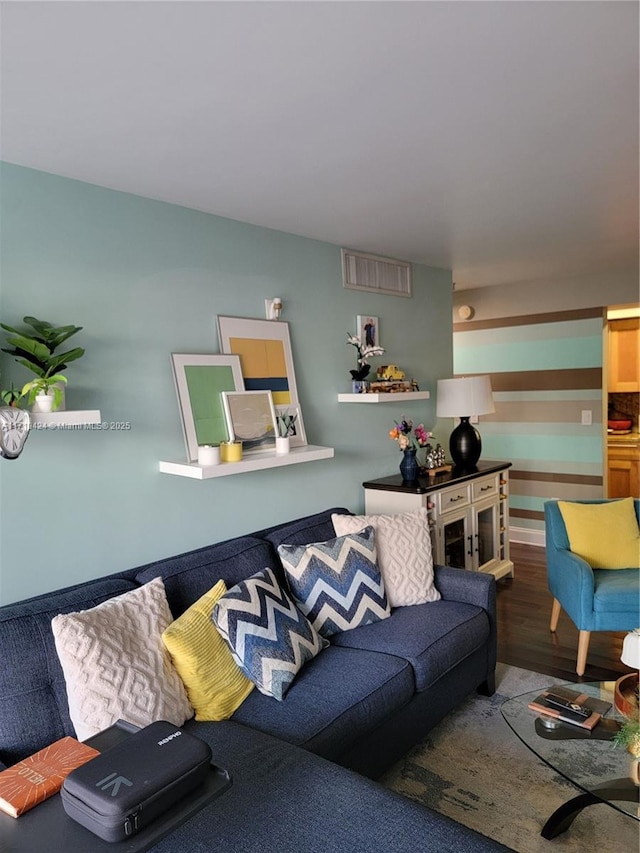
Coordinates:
[524,638]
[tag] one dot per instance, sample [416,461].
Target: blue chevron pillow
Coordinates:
[269,638]
[337,584]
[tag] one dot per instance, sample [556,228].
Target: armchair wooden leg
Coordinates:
[555,614]
[583,648]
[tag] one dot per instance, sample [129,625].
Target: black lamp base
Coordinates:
[465,446]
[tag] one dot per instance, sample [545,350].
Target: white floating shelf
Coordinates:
[251,462]
[71,418]
[384,397]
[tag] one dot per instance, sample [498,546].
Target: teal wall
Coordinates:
[145,279]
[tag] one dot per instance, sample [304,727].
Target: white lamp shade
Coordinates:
[631,649]
[464,397]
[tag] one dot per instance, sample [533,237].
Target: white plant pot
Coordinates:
[283,445]
[43,403]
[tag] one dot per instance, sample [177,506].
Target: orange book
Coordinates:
[40,776]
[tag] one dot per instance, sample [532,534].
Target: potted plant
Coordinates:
[286,428]
[45,392]
[629,736]
[36,350]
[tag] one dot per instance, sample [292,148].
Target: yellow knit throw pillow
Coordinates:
[215,684]
[606,535]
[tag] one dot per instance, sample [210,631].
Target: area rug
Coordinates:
[473,768]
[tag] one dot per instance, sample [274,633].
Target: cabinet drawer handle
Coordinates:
[486,488]
[457,498]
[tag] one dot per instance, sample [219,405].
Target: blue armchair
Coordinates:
[594,599]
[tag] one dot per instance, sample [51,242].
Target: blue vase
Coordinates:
[409,465]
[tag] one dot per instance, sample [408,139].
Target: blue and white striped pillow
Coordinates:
[269,638]
[338,583]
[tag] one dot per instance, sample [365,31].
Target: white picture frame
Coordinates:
[368,329]
[251,419]
[200,380]
[297,438]
[266,360]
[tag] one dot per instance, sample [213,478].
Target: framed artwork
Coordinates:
[264,348]
[251,419]
[200,381]
[368,330]
[297,438]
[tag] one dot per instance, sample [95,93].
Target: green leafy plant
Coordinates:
[36,350]
[629,735]
[286,423]
[11,396]
[45,386]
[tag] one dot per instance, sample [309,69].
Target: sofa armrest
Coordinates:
[473,588]
[570,580]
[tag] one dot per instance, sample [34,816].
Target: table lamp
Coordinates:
[462,398]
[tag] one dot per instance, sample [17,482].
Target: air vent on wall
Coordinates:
[373,273]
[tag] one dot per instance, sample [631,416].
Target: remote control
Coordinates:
[567,706]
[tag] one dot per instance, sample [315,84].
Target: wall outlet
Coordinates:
[587,417]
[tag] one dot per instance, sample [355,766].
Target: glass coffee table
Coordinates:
[589,760]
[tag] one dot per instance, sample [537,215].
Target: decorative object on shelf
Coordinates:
[365,352]
[435,459]
[470,395]
[230,451]
[295,430]
[14,431]
[368,330]
[264,348]
[200,381]
[44,395]
[286,423]
[359,386]
[283,445]
[209,454]
[273,308]
[409,441]
[36,350]
[390,373]
[251,419]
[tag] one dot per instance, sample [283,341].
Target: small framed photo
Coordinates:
[200,381]
[368,330]
[290,416]
[251,419]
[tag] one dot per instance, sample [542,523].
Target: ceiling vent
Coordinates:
[376,274]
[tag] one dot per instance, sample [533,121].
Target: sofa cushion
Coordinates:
[188,576]
[616,592]
[403,543]
[215,684]
[337,583]
[269,638]
[285,799]
[33,700]
[115,665]
[339,695]
[606,535]
[433,637]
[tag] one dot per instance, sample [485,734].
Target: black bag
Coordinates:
[121,791]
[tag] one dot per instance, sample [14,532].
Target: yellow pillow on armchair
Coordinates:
[606,535]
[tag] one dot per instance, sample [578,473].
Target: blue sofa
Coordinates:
[358,706]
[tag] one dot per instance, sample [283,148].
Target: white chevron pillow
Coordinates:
[115,664]
[404,553]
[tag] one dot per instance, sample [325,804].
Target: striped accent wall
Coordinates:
[545,369]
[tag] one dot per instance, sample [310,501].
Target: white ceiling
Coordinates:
[498,139]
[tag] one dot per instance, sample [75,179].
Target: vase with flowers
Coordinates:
[409,440]
[365,352]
